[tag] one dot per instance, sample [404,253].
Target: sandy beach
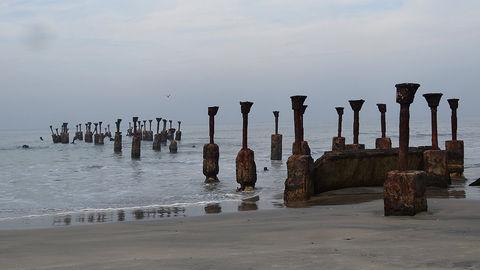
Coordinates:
[320,237]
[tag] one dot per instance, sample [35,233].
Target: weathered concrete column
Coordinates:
[88,133]
[211,152]
[338,143]
[164,133]
[55,137]
[117,143]
[136,139]
[144,131]
[173,147]
[96,135]
[404,190]
[455,148]
[356,106]
[435,160]
[384,142]
[64,135]
[171,131]
[129,130]
[157,144]
[276,141]
[298,185]
[178,134]
[80,132]
[101,135]
[246,169]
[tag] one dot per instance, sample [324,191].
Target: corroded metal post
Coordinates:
[164,133]
[435,160]
[211,152]
[383,142]
[276,141]
[136,139]
[404,190]
[157,144]
[455,148]
[298,185]
[246,169]
[117,144]
[356,106]
[433,100]
[178,134]
[338,143]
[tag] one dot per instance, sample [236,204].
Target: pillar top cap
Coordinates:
[96,124]
[453,102]
[179,122]
[144,121]
[212,111]
[303,109]
[433,99]
[406,92]
[89,123]
[356,104]
[158,119]
[170,121]
[119,120]
[339,110]
[297,102]
[382,107]
[150,121]
[165,120]
[50,126]
[135,119]
[276,113]
[245,106]
[100,122]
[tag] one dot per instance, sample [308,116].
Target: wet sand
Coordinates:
[329,237]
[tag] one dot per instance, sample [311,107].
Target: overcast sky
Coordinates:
[90,60]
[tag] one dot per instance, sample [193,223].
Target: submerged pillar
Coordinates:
[157,144]
[246,169]
[178,134]
[136,140]
[88,132]
[164,133]
[96,136]
[101,135]
[276,141]
[117,144]
[211,152]
[64,135]
[171,131]
[298,185]
[338,143]
[435,160]
[384,142]
[404,190]
[80,132]
[356,106]
[454,147]
[55,137]
[129,130]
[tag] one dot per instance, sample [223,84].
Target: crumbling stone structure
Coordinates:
[246,169]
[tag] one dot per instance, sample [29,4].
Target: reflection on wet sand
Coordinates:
[247,206]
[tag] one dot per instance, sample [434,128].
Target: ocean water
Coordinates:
[57,185]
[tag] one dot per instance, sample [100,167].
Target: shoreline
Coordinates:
[330,236]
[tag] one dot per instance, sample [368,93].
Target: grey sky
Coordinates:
[86,60]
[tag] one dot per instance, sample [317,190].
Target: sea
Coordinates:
[56,185]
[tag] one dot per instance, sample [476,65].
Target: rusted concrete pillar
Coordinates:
[55,137]
[356,106]
[298,185]
[384,142]
[455,148]
[178,134]
[136,140]
[129,130]
[173,147]
[171,131]
[276,141]
[404,190]
[88,132]
[157,144]
[144,131]
[80,132]
[164,133]
[96,134]
[117,143]
[101,135]
[435,160]
[338,143]
[64,135]
[246,169]
[211,152]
